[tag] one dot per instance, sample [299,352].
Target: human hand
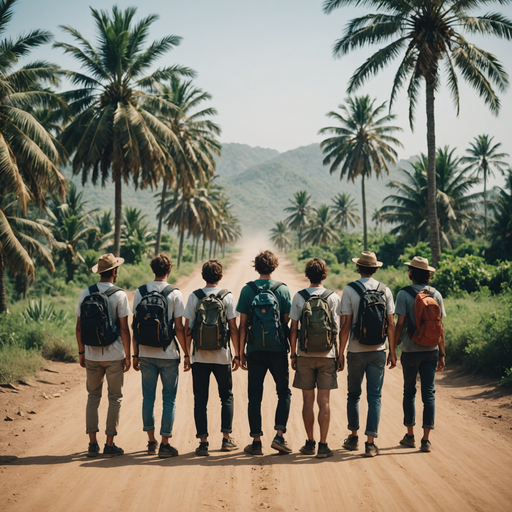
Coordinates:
[391,360]
[136,364]
[186,363]
[293,362]
[440,364]
[243,362]
[341,363]
[126,365]
[235,364]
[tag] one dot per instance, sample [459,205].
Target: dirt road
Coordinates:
[469,468]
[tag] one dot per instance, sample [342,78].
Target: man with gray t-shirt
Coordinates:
[416,358]
[364,358]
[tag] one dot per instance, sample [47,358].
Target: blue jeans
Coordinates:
[150,369]
[424,363]
[372,364]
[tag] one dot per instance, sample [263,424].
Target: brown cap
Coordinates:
[419,262]
[367,259]
[107,262]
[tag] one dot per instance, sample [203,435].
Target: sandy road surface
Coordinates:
[469,469]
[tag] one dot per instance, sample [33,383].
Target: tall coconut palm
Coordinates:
[483,157]
[322,227]
[344,208]
[137,236]
[279,235]
[114,132]
[427,33]
[361,145]
[501,227]
[300,209]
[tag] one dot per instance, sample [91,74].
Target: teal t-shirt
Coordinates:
[283,297]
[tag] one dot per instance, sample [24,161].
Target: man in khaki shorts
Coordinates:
[314,352]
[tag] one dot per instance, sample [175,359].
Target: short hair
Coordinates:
[107,273]
[212,271]
[420,275]
[369,271]
[316,270]
[161,264]
[265,262]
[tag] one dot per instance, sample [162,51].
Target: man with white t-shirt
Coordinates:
[212,304]
[314,368]
[366,356]
[104,354]
[157,354]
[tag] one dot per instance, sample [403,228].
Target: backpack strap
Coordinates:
[357,288]
[200,294]
[110,291]
[253,286]
[411,291]
[381,288]
[275,286]
[168,290]
[326,294]
[143,290]
[305,294]
[93,289]
[222,294]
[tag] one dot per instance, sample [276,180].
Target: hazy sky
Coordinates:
[269,66]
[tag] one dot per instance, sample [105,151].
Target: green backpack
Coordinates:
[210,331]
[318,328]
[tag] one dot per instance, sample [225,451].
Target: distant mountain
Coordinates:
[238,157]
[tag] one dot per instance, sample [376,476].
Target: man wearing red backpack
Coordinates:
[420,308]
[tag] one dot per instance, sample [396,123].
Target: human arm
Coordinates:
[346,324]
[442,353]
[392,341]
[81,348]
[242,333]
[126,339]
[293,344]
[136,361]
[180,335]
[233,329]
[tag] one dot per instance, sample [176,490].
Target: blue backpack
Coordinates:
[264,328]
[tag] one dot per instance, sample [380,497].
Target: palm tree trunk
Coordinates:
[365,226]
[300,236]
[197,249]
[485,203]
[160,220]
[211,247]
[3,292]
[204,246]
[215,249]
[118,212]
[69,267]
[435,243]
[180,248]
[223,251]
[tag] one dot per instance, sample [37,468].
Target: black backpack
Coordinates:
[151,323]
[96,326]
[372,322]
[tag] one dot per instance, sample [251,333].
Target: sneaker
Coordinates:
[94,450]
[323,451]
[280,445]
[254,448]
[351,443]
[228,444]
[166,450]
[425,445]
[370,450]
[408,441]
[152,447]
[309,448]
[112,451]
[202,449]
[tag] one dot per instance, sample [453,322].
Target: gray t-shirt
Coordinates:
[295,312]
[350,306]
[405,307]
[174,308]
[222,356]
[119,308]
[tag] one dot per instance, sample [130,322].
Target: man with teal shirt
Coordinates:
[264,306]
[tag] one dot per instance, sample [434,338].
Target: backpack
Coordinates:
[210,331]
[151,323]
[372,323]
[427,316]
[264,328]
[317,325]
[96,325]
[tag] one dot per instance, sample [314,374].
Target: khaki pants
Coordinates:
[96,371]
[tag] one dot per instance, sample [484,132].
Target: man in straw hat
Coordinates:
[103,338]
[367,319]
[422,346]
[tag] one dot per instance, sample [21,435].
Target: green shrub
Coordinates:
[507,379]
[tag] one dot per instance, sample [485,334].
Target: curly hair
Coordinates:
[161,264]
[369,271]
[316,270]
[420,275]
[212,271]
[265,262]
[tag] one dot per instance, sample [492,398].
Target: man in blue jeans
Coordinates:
[364,359]
[161,361]
[416,358]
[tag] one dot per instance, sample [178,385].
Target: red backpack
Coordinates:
[427,316]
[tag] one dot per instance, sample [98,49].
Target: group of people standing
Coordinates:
[308,334]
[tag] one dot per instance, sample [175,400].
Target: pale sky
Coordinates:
[269,66]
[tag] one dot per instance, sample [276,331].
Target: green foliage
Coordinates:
[507,379]
[457,275]
[37,311]
[322,252]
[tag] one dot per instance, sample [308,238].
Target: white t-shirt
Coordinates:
[350,306]
[119,308]
[175,308]
[222,356]
[295,313]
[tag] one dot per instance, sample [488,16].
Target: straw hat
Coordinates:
[367,259]
[419,262]
[107,262]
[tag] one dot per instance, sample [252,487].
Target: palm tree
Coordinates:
[345,209]
[114,132]
[299,210]
[377,216]
[322,227]
[279,236]
[483,157]
[136,235]
[501,227]
[427,32]
[362,144]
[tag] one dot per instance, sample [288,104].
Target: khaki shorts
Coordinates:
[315,372]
